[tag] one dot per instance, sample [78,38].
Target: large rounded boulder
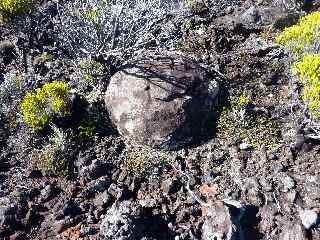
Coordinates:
[162,101]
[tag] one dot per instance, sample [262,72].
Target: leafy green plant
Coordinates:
[40,106]
[11,8]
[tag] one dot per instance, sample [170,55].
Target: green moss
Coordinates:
[309,71]
[11,8]
[40,106]
[302,35]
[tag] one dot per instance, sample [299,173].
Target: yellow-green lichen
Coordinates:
[41,105]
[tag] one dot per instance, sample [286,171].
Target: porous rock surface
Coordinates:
[161,100]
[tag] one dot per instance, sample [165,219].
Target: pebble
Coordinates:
[308,218]
[291,196]
[277,167]
[288,183]
[244,146]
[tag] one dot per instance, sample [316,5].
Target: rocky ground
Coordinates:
[237,181]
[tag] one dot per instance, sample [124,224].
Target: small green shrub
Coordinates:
[243,100]
[87,128]
[198,6]
[90,70]
[54,155]
[303,40]
[256,129]
[40,106]
[93,15]
[300,37]
[140,161]
[51,160]
[309,71]
[11,8]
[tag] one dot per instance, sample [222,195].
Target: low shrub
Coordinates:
[302,37]
[54,157]
[11,8]
[40,106]
[91,69]
[198,6]
[303,40]
[309,70]
[236,122]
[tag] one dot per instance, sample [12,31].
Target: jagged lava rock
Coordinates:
[161,101]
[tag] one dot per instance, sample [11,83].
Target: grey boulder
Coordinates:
[163,101]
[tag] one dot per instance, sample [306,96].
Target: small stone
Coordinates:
[218,223]
[244,146]
[49,192]
[308,218]
[251,15]
[266,184]
[293,231]
[119,224]
[71,209]
[18,236]
[35,174]
[292,196]
[288,183]
[102,200]
[210,156]
[255,197]
[229,9]
[101,185]
[277,167]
